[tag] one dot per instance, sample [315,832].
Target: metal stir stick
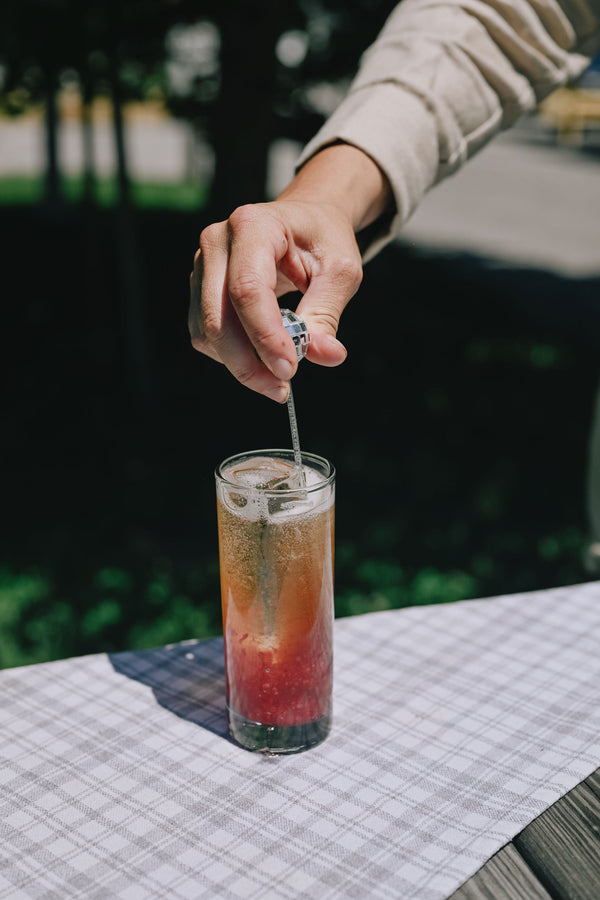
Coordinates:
[297,330]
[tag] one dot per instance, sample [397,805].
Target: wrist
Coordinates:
[346,178]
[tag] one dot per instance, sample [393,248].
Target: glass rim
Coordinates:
[274,452]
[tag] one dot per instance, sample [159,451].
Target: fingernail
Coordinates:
[279,394]
[282,368]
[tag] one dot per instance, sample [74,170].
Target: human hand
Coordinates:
[260,253]
[303,241]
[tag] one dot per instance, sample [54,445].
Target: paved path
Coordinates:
[159,150]
[520,201]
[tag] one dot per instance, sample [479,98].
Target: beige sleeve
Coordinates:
[444,76]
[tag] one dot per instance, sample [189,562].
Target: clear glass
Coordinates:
[276,546]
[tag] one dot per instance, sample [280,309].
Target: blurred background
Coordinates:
[459,424]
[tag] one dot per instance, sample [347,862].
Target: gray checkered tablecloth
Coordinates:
[455,726]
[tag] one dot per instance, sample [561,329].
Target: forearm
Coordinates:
[346,178]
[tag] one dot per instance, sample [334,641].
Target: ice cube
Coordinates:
[263,473]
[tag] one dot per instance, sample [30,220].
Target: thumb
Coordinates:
[321,308]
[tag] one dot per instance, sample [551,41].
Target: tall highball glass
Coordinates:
[276,540]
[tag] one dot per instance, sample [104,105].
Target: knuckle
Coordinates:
[349,270]
[245,374]
[243,215]
[210,328]
[210,238]
[271,340]
[243,288]
[329,318]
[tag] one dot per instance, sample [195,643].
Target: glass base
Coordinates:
[277,739]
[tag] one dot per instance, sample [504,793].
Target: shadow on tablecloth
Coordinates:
[188,679]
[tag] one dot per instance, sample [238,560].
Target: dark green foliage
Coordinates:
[459,439]
[43,617]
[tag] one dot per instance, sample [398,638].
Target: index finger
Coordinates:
[257,245]
[215,327]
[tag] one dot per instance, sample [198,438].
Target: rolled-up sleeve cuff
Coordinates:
[393,126]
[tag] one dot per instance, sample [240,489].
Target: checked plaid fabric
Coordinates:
[455,726]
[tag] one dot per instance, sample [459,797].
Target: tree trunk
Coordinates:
[243,116]
[52,192]
[127,248]
[87,134]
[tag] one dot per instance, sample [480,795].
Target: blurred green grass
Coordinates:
[180,195]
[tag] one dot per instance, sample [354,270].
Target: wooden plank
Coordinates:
[593,782]
[562,846]
[504,877]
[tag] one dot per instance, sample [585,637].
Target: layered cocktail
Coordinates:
[276,539]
